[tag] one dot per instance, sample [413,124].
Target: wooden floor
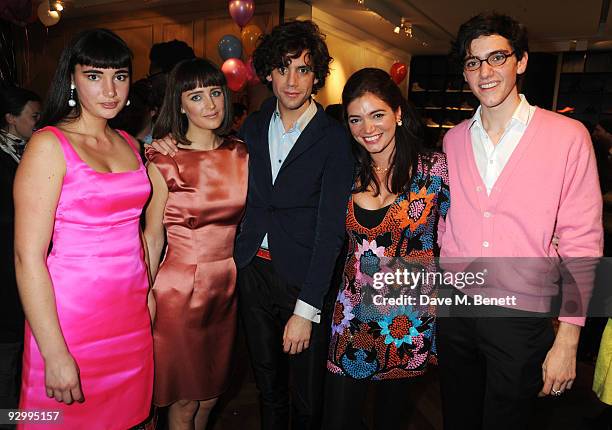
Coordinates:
[575,410]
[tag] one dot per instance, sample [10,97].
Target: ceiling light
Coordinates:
[57,6]
[405,26]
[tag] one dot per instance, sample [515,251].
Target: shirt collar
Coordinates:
[520,115]
[303,120]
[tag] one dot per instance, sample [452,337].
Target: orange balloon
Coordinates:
[250,36]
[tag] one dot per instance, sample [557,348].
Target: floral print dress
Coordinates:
[374,341]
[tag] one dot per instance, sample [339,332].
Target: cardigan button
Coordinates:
[487,214]
[485,244]
[478,189]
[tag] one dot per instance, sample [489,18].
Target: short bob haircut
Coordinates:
[286,42]
[98,48]
[409,137]
[186,76]
[488,25]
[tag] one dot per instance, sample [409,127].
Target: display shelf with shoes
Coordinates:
[429,122]
[440,95]
[416,87]
[585,86]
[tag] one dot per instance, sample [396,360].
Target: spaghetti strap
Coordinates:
[129,140]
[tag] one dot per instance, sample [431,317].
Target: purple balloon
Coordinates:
[241,11]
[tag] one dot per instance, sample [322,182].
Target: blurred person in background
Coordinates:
[335,111]
[602,143]
[240,114]
[19,112]
[137,117]
[163,57]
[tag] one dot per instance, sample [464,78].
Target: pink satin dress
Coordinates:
[195,323]
[100,284]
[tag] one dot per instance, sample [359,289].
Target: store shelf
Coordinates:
[585,85]
[440,94]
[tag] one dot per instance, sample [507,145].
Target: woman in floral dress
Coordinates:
[400,192]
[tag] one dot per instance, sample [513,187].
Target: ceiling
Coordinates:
[553,25]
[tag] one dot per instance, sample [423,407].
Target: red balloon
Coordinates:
[236,73]
[253,79]
[398,72]
[241,11]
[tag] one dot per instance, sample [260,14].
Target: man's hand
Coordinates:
[296,337]
[166,145]
[559,368]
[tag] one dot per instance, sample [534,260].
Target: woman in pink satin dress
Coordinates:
[198,200]
[88,344]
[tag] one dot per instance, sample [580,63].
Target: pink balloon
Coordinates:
[241,11]
[253,79]
[236,73]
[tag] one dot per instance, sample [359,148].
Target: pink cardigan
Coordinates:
[549,187]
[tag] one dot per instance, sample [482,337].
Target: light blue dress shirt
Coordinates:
[280,143]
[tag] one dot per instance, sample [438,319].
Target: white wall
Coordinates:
[352,49]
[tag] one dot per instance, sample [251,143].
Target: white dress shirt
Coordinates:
[490,158]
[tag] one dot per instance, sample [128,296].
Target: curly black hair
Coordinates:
[286,42]
[487,25]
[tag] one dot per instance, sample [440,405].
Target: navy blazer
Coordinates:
[304,212]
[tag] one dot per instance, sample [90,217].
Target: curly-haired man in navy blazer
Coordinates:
[300,175]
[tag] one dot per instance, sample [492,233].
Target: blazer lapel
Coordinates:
[311,135]
[263,146]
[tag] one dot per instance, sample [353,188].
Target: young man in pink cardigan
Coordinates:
[520,176]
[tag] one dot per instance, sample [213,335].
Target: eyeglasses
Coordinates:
[495,59]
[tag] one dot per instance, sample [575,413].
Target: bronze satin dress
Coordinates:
[195,324]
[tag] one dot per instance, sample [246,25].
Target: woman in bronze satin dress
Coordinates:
[197,202]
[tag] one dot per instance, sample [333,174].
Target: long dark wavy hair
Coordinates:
[286,42]
[186,76]
[409,137]
[96,48]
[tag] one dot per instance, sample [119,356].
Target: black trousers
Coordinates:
[491,370]
[346,400]
[266,303]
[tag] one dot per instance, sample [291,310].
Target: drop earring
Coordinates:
[128,102]
[399,123]
[71,100]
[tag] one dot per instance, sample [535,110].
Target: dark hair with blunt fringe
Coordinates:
[98,48]
[186,76]
[287,42]
[488,25]
[409,137]
[13,100]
